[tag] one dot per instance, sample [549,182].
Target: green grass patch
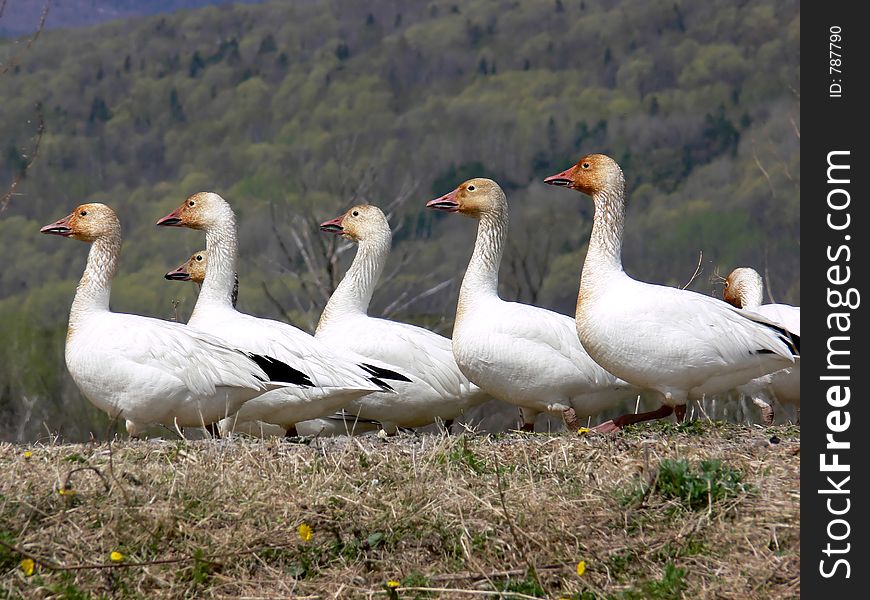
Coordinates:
[695,488]
[669,587]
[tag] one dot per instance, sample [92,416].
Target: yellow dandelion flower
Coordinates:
[583,430]
[116,556]
[27,455]
[581,568]
[305,532]
[393,584]
[28,566]
[66,492]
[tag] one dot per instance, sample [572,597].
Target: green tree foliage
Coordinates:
[293,111]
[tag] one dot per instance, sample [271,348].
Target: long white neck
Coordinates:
[95,286]
[220,271]
[481,277]
[605,243]
[354,293]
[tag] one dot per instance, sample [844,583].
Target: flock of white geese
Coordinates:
[230,371]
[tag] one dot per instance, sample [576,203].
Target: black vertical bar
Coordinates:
[834,171]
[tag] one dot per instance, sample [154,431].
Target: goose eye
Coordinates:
[585,165]
[470,188]
[355,213]
[199,257]
[83,213]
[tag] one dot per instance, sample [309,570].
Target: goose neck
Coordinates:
[354,292]
[752,293]
[608,225]
[220,272]
[481,277]
[95,287]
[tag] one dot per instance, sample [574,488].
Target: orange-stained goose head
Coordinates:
[744,288]
[199,211]
[359,223]
[87,223]
[472,198]
[193,269]
[592,174]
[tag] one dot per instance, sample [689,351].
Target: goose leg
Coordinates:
[214,429]
[766,410]
[134,430]
[680,412]
[527,419]
[570,417]
[632,418]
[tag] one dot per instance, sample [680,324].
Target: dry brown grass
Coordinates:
[467,514]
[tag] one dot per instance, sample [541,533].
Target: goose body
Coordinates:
[144,370]
[333,379]
[339,423]
[437,388]
[682,344]
[744,289]
[521,354]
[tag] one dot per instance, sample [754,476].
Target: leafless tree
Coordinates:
[310,258]
[29,157]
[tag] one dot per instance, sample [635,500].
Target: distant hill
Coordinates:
[22,17]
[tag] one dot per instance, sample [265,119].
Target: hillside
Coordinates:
[293,111]
[22,17]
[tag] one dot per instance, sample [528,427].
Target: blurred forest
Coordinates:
[293,111]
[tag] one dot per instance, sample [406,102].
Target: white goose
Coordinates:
[438,389]
[143,370]
[744,289]
[522,354]
[340,423]
[682,344]
[333,379]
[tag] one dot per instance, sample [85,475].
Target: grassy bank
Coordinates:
[664,511]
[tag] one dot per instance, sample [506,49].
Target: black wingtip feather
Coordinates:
[279,371]
[792,340]
[382,373]
[383,384]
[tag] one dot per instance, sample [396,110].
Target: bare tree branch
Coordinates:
[697,269]
[31,158]
[763,172]
[14,60]
[274,301]
[392,308]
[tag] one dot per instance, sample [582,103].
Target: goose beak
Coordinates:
[179,273]
[60,227]
[333,225]
[447,202]
[562,179]
[173,219]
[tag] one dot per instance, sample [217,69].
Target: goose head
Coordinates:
[191,270]
[88,222]
[360,223]
[743,288]
[592,174]
[472,198]
[203,210]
